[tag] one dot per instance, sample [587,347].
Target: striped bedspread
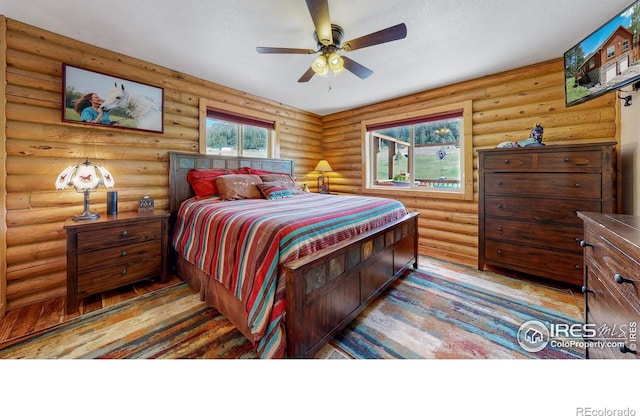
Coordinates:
[241,243]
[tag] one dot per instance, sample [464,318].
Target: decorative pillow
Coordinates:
[274,190]
[238,186]
[286,179]
[203,182]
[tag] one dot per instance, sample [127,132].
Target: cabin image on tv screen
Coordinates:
[611,59]
[609,64]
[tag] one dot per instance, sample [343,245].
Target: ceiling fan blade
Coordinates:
[307,75]
[266,49]
[382,36]
[319,10]
[361,71]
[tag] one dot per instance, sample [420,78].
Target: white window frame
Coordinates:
[464,192]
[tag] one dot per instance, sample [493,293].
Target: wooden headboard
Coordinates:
[181,163]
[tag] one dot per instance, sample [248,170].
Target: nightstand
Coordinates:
[114,251]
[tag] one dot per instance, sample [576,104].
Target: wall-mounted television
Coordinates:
[606,60]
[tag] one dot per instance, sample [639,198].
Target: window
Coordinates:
[625,45]
[229,134]
[423,152]
[611,51]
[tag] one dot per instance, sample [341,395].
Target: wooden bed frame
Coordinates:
[325,290]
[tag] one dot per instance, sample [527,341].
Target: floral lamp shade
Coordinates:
[85,178]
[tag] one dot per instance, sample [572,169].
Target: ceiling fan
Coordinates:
[329,40]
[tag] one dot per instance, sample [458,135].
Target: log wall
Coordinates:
[506,106]
[3,186]
[39,145]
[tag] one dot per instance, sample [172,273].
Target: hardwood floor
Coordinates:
[23,322]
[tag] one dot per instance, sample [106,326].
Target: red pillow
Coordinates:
[259,172]
[203,182]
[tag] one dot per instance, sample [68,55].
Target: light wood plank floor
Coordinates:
[21,323]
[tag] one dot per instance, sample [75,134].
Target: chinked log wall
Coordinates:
[506,106]
[39,146]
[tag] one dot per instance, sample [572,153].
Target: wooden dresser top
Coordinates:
[626,227]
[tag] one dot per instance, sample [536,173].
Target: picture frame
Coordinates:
[97,99]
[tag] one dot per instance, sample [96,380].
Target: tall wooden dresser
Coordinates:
[612,284]
[528,200]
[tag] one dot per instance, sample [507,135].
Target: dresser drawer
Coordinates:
[125,233]
[118,275]
[130,253]
[567,161]
[598,353]
[509,161]
[553,211]
[612,263]
[563,266]
[534,233]
[569,185]
[614,319]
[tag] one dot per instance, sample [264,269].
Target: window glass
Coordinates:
[254,141]
[222,138]
[236,135]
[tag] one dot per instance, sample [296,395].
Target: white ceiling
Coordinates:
[447,41]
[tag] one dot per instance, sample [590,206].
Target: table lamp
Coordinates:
[85,178]
[323,181]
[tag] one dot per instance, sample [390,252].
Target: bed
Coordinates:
[292,285]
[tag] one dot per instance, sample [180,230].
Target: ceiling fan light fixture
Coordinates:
[336,63]
[319,65]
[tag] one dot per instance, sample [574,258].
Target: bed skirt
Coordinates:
[215,295]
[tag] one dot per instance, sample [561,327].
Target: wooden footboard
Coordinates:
[328,289]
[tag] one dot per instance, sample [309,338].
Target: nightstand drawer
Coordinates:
[131,253]
[125,233]
[570,185]
[118,275]
[113,251]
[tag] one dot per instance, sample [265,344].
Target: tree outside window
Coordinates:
[235,135]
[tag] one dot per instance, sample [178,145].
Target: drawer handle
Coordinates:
[585,244]
[578,185]
[620,279]
[507,161]
[500,229]
[624,349]
[123,272]
[499,251]
[123,253]
[578,267]
[124,233]
[567,159]
[586,290]
[499,205]
[500,183]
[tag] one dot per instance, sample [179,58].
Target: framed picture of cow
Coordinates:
[97,99]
